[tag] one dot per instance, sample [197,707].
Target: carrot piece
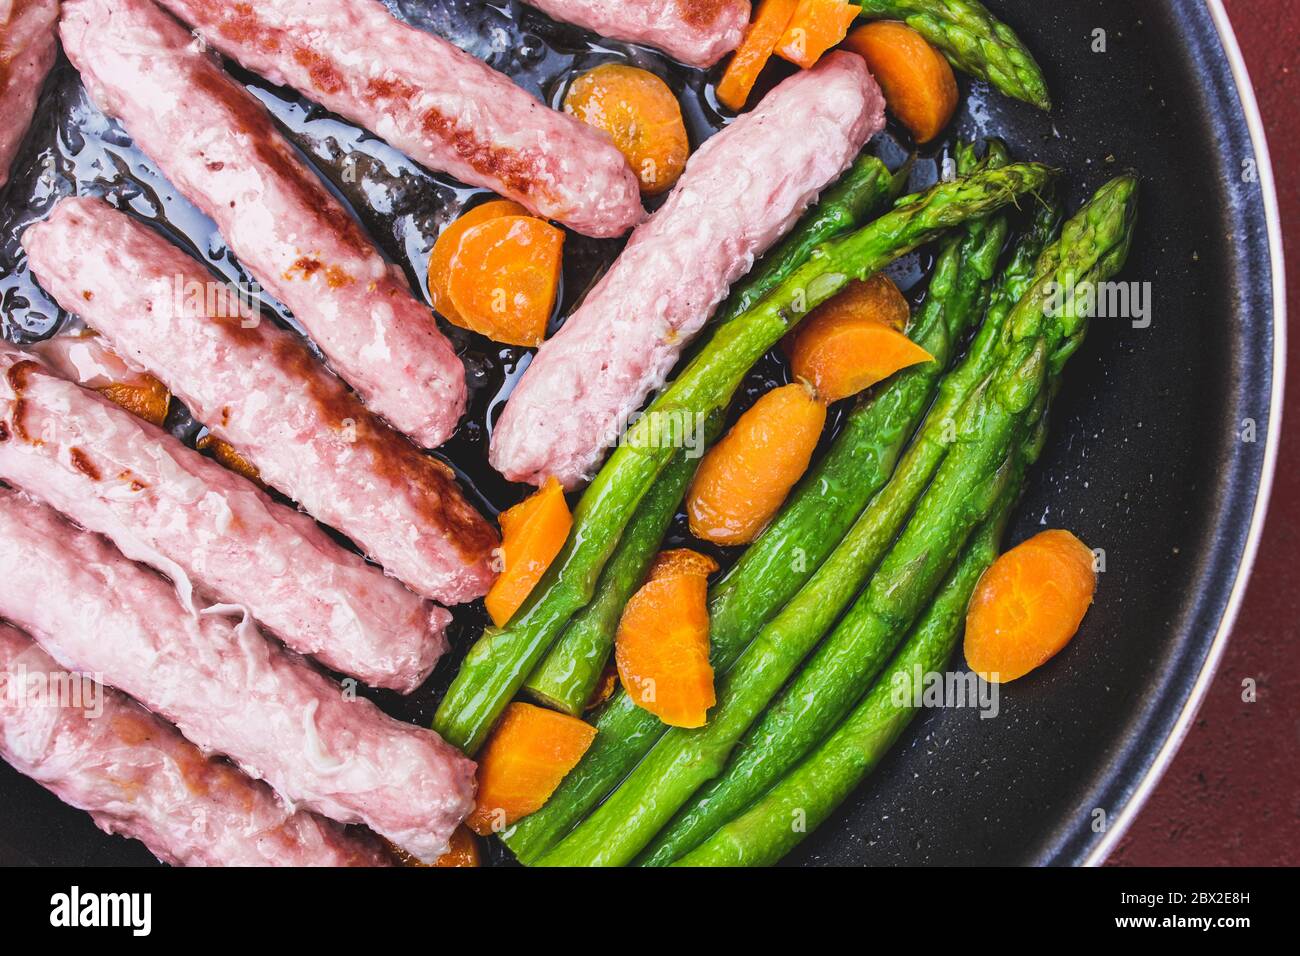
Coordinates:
[532,534]
[225,454]
[462,850]
[817,25]
[755,50]
[641,115]
[916,79]
[662,646]
[504,278]
[145,398]
[744,478]
[1028,605]
[530,751]
[448,242]
[852,343]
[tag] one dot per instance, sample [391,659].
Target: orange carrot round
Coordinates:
[815,27]
[532,534]
[1028,605]
[767,27]
[744,478]
[854,341]
[530,751]
[641,115]
[662,646]
[448,242]
[146,398]
[917,81]
[504,277]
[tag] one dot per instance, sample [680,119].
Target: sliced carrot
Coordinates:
[532,534]
[462,850]
[641,115]
[145,397]
[817,25]
[530,751]
[504,277]
[755,50]
[744,478]
[449,241]
[1028,605]
[917,81]
[853,345]
[225,453]
[662,646]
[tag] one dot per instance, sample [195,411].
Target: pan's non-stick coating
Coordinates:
[1157,441]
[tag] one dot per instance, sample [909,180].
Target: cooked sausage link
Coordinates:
[260,389]
[430,99]
[227,688]
[218,145]
[99,751]
[207,528]
[741,191]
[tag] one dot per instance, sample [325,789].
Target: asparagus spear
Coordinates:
[973,40]
[812,522]
[836,489]
[963,492]
[807,795]
[684,760]
[1093,246]
[803,798]
[568,676]
[499,663]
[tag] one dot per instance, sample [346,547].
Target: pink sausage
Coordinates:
[226,687]
[741,191]
[430,99]
[218,145]
[101,752]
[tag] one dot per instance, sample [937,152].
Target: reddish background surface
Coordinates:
[1232,794]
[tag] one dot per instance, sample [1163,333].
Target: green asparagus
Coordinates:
[973,40]
[1093,246]
[499,663]
[568,676]
[803,798]
[961,495]
[807,795]
[793,547]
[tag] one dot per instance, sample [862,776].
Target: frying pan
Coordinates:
[1162,443]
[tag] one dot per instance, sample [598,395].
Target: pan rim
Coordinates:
[1144,787]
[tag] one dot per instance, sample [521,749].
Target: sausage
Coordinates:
[696,32]
[741,191]
[27,52]
[429,99]
[220,148]
[208,529]
[259,388]
[101,752]
[226,687]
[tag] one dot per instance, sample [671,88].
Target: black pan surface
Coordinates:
[1159,451]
